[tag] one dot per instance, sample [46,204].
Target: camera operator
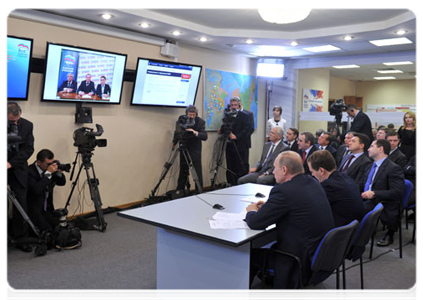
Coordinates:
[190,131]
[237,149]
[43,175]
[17,172]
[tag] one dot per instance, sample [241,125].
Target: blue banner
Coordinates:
[68,64]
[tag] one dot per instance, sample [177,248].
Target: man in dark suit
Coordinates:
[291,139]
[302,214]
[250,115]
[361,123]
[343,149]
[342,192]
[396,154]
[68,86]
[323,143]
[43,176]
[305,148]
[190,138]
[103,89]
[237,150]
[87,86]
[17,168]
[262,172]
[384,181]
[356,162]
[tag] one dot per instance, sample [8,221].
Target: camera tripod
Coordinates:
[43,237]
[93,185]
[221,149]
[187,157]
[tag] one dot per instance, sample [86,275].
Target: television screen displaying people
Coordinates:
[19,53]
[75,74]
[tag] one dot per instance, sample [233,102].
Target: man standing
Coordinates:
[356,162]
[43,176]
[342,192]
[262,172]
[361,123]
[17,168]
[396,154]
[190,138]
[305,148]
[237,150]
[302,214]
[87,86]
[291,139]
[384,181]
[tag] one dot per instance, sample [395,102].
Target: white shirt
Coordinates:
[272,123]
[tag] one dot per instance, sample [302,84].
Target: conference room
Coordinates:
[150,236]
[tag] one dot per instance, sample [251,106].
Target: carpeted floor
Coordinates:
[124,257]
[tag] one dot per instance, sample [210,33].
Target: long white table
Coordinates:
[191,255]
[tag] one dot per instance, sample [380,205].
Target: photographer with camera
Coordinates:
[43,175]
[189,132]
[20,147]
[237,127]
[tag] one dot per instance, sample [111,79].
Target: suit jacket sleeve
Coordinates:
[395,185]
[245,126]
[201,129]
[26,147]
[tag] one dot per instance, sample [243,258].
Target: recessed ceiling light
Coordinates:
[107,16]
[203,39]
[176,33]
[401,32]
[294,43]
[348,38]
[384,78]
[389,71]
[391,42]
[144,25]
[249,41]
[346,67]
[324,48]
[398,63]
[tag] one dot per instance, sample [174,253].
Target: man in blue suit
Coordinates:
[103,89]
[68,85]
[341,190]
[86,86]
[302,214]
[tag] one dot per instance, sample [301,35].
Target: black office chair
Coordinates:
[328,257]
[361,239]
[408,187]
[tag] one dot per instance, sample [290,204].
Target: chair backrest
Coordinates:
[331,251]
[364,232]
[408,187]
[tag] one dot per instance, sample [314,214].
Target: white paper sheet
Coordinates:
[219,224]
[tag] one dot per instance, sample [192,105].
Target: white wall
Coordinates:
[139,138]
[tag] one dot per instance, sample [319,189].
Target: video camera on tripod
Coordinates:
[182,124]
[228,120]
[336,109]
[85,138]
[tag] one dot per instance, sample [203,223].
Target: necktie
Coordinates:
[370,178]
[347,164]
[289,145]
[304,156]
[268,156]
[68,83]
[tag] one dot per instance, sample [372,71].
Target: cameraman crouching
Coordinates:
[190,131]
[43,175]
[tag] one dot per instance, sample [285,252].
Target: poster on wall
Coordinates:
[220,87]
[312,100]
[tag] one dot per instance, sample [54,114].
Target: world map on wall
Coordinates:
[220,87]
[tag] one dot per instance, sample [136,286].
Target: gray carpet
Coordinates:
[124,257]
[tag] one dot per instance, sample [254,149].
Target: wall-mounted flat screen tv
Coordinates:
[19,54]
[165,83]
[76,74]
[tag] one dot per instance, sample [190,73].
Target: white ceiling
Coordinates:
[228,29]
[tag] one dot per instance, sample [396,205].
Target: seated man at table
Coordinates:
[262,172]
[68,86]
[341,190]
[103,89]
[87,86]
[302,214]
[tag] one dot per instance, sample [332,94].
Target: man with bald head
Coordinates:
[302,214]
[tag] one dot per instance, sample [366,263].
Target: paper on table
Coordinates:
[224,216]
[219,224]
